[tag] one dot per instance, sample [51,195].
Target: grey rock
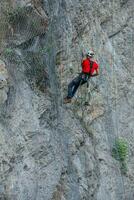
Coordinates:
[4,77]
[51,151]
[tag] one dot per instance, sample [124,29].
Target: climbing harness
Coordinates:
[86,77]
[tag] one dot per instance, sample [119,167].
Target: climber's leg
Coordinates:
[73,86]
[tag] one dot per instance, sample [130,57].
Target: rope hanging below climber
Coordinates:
[90,68]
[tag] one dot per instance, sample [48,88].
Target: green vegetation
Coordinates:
[120,149]
[8,51]
[120,152]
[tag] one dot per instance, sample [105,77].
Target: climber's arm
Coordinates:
[96,73]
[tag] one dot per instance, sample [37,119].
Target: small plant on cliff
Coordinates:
[120,152]
[8,51]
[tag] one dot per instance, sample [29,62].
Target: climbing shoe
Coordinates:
[67,100]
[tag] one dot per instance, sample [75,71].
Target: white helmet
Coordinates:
[90,54]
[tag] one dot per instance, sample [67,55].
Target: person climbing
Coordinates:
[90,68]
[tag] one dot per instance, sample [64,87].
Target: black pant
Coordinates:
[75,83]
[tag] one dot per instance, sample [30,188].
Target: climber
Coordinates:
[90,68]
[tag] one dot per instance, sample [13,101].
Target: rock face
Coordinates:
[51,151]
[3,83]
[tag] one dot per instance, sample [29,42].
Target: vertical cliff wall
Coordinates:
[51,151]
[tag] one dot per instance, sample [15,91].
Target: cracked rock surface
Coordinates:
[52,151]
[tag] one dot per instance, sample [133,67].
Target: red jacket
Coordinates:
[86,66]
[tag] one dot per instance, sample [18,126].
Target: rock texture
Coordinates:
[3,83]
[51,151]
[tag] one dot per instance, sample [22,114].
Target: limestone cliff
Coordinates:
[52,151]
